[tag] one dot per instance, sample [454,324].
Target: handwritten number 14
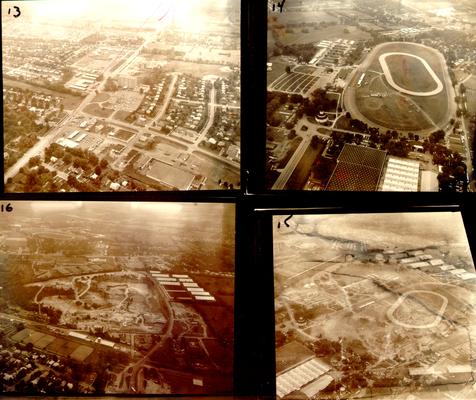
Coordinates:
[280,6]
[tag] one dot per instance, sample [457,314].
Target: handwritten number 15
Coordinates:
[17,9]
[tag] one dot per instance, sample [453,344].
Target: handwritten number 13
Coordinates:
[17,9]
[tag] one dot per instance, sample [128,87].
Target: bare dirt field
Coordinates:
[197,69]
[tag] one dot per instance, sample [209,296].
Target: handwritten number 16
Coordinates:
[17,9]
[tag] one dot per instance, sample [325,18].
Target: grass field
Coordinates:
[95,110]
[300,175]
[279,68]
[101,97]
[471,83]
[409,73]
[471,100]
[471,94]
[121,115]
[81,353]
[300,17]
[124,135]
[330,33]
[305,69]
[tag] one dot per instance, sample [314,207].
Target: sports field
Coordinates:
[402,86]
[409,72]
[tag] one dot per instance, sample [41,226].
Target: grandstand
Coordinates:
[358,168]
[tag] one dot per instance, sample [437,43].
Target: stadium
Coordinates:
[402,86]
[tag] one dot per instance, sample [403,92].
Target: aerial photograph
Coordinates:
[116,298]
[374,306]
[117,95]
[371,95]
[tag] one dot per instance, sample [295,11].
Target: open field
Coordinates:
[121,115]
[409,72]
[95,110]
[101,97]
[122,134]
[197,69]
[329,33]
[92,63]
[308,16]
[214,170]
[402,92]
[279,68]
[303,169]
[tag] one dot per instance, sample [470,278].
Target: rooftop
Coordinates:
[358,169]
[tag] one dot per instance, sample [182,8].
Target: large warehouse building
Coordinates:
[298,369]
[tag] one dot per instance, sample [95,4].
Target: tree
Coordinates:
[288,69]
[67,158]
[315,142]
[103,163]
[34,161]
[98,170]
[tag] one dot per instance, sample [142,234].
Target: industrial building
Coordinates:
[126,81]
[401,175]
[298,369]
[181,287]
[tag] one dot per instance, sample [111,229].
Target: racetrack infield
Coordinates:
[379,104]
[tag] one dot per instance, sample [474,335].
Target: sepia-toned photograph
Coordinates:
[374,306]
[121,95]
[116,298]
[369,95]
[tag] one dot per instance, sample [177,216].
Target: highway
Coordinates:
[296,157]
[467,142]
[136,384]
[292,164]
